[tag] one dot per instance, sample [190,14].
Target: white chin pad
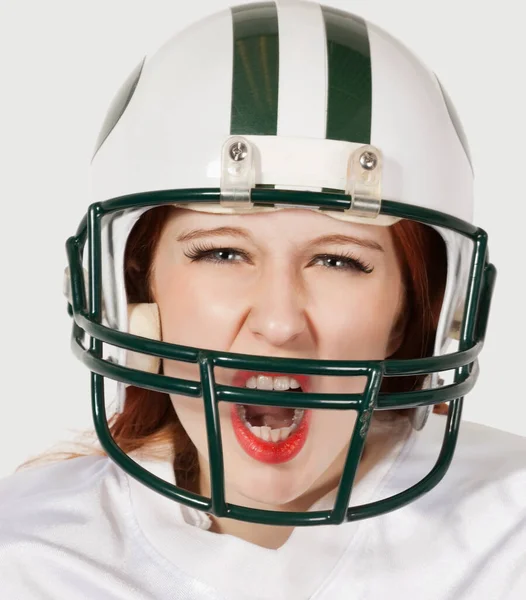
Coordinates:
[144,320]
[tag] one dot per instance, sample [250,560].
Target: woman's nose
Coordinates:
[278,313]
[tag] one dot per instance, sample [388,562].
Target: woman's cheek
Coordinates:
[198,306]
[355,324]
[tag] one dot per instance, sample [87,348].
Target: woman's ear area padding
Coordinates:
[144,320]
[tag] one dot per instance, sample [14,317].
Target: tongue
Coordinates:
[272,416]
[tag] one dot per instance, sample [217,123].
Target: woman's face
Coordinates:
[291,283]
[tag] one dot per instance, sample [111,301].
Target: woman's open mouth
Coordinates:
[270,434]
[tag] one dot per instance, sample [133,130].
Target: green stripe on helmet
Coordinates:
[350,85]
[256,69]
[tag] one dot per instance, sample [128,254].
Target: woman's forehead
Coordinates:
[293,223]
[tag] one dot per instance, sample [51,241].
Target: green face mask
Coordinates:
[88,325]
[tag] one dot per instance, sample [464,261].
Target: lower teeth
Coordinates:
[268,434]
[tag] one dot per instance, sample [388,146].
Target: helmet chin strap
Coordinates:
[144,320]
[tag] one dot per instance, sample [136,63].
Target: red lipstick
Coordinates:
[270,452]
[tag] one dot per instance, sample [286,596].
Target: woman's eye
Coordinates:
[233,255]
[225,255]
[342,263]
[216,255]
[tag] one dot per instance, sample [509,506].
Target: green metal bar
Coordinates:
[95,269]
[429,397]
[424,366]
[274,517]
[150,381]
[433,478]
[78,292]
[179,494]
[467,336]
[429,217]
[269,517]
[248,362]
[137,343]
[354,455]
[283,365]
[476,276]
[490,276]
[172,385]
[213,431]
[127,463]
[239,395]
[265,196]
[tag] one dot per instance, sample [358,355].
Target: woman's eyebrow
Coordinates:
[335,238]
[340,239]
[193,234]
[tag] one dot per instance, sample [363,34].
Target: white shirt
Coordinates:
[83,529]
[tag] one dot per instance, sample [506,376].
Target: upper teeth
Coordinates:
[264,382]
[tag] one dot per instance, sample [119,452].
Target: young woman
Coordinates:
[280,271]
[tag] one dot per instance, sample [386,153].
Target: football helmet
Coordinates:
[261,107]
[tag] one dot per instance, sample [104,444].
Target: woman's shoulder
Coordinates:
[487,472]
[481,446]
[57,499]
[478,433]
[482,453]
[50,481]
[67,530]
[466,537]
